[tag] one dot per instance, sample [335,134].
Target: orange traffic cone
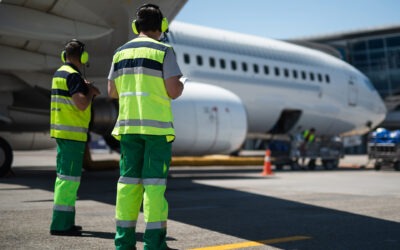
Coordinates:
[267,163]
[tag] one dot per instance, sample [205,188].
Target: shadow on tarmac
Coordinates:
[236,213]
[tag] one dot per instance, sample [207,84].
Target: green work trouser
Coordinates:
[69,169]
[144,166]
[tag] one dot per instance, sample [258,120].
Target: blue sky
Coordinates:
[284,19]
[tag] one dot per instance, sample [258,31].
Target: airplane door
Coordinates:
[352,91]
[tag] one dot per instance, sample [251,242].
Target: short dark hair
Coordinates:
[74,49]
[148,18]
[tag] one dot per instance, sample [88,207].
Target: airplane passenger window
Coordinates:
[186,58]
[327,79]
[286,72]
[212,62]
[266,70]
[311,76]
[233,65]
[277,72]
[294,72]
[319,77]
[244,66]
[199,60]
[222,63]
[255,68]
[303,75]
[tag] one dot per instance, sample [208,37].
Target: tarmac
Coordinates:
[215,207]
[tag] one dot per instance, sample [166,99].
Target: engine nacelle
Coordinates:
[208,120]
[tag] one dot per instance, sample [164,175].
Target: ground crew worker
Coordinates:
[308,138]
[71,97]
[145,77]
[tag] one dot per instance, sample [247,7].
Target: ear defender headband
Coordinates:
[164,20]
[84,56]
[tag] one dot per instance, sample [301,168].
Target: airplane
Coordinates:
[238,86]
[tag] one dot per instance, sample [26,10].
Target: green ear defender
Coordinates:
[84,58]
[164,25]
[135,31]
[63,56]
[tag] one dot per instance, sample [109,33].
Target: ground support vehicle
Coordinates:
[327,151]
[384,154]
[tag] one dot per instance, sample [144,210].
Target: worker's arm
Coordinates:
[81,100]
[174,87]
[112,90]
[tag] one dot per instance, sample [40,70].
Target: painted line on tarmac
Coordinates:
[254,243]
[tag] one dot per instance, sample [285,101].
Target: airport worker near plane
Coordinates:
[308,138]
[71,98]
[145,77]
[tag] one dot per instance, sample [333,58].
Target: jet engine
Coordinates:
[207,119]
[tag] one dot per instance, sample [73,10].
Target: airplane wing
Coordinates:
[33,33]
[32,36]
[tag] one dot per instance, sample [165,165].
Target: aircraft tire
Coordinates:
[6,157]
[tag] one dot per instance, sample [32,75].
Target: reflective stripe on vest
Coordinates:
[147,123]
[145,107]
[310,137]
[67,121]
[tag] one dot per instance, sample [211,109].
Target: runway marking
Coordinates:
[254,243]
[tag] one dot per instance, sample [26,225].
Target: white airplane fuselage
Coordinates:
[239,86]
[273,77]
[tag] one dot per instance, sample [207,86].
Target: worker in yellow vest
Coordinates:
[144,76]
[308,138]
[71,98]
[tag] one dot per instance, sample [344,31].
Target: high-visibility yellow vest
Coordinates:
[66,120]
[144,105]
[307,136]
